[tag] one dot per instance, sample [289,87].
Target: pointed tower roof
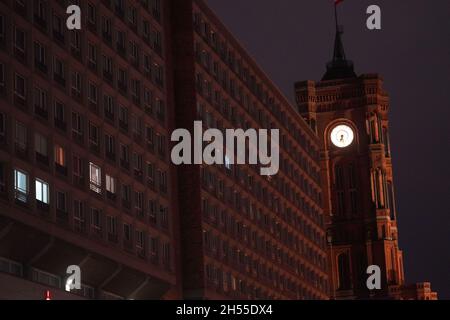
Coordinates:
[339,67]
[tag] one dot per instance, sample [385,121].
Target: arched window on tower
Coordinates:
[344,272]
[387,147]
[340,190]
[391,200]
[353,189]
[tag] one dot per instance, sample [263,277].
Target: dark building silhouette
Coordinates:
[86,177]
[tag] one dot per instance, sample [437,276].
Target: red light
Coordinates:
[48,295]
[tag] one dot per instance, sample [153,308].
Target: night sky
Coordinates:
[293,39]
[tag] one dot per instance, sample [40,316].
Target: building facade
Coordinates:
[244,235]
[85,118]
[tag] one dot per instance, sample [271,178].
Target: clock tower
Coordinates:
[350,115]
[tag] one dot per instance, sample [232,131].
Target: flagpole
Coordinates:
[336,16]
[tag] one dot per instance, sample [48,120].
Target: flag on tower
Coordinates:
[336,2]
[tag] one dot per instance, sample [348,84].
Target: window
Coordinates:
[166,254]
[160,110]
[2,125]
[46,278]
[152,207]
[60,156]
[93,134]
[21,135]
[137,125]
[2,29]
[154,249]
[40,144]
[121,41]
[111,225]
[92,56]
[122,80]
[134,51]
[42,194]
[110,184]
[39,54]
[140,239]
[150,136]
[21,185]
[95,178]
[59,71]
[40,101]
[162,177]
[161,145]
[19,39]
[132,13]
[147,64]
[77,164]
[127,232]
[76,84]
[106,27]
[344,272]
[108,104]
[150,174]
[124,155]
[159,78]
[78,215]
[146,29]
[110,145]
[139,200]
[77,124]
[59,111]
[58,27]
[123,117]
[75,42]
[126,191]
[20,86]
[156,9]
[96,220]
[227,162]
[61,201]
[107,66]
[137,162]
[92,14]
[40,9]
[2,76]
[164,213]
[92,93]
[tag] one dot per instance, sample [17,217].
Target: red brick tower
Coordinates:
[350,115]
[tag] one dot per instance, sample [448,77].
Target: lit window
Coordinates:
[60,156]
[42,191]
[95,176]
[21,185]
[227,163]
[110,184]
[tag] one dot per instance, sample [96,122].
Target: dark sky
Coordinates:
[292,40]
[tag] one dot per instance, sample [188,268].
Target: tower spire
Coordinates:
[339,67]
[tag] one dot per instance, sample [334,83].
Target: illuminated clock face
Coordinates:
[342,136]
